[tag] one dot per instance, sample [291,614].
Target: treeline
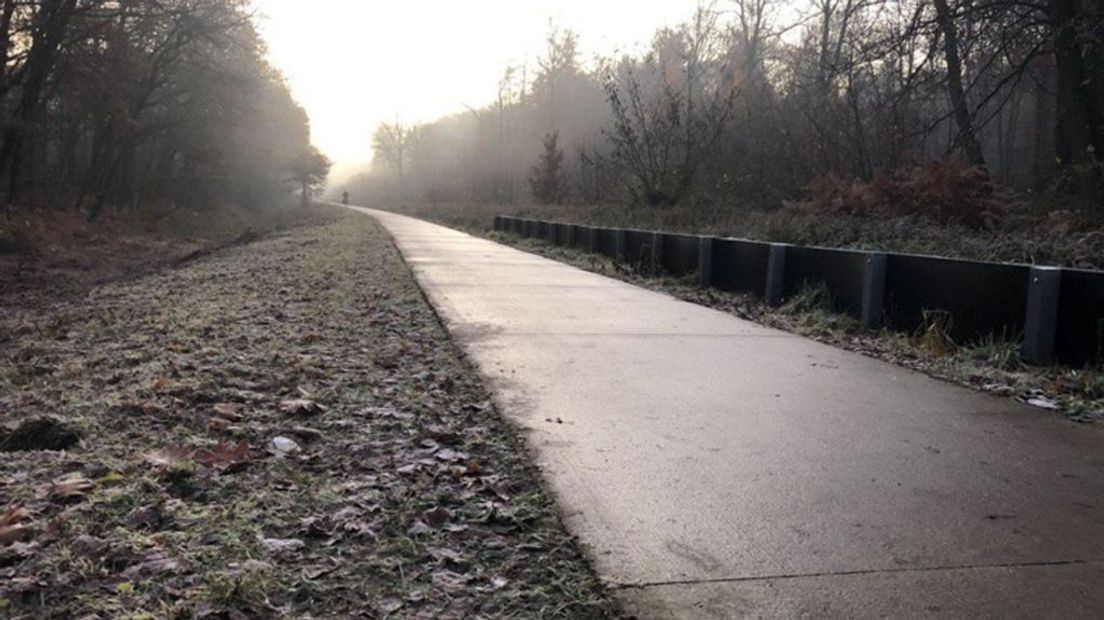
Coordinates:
[739,106]
[145,104]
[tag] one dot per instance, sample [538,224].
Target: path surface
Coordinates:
[717,468]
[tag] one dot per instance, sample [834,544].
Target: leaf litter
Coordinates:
[275,430]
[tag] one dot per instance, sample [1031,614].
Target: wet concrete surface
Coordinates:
[716,468]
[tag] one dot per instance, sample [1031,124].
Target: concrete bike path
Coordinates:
[715,468]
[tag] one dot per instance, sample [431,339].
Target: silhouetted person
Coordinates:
[345,198]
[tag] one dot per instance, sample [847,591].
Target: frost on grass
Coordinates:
[276,430]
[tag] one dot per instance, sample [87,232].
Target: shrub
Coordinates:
[944,191]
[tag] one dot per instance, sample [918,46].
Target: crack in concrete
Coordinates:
[847,573]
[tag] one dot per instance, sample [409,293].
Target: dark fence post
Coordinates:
[873,296]
[621,244]
[1041,320]
[705,262]
[657,253]
[776,274]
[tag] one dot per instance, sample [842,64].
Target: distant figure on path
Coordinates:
[345,198]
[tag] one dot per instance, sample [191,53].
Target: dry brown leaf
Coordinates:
[450,581]
[13,515]
[160,384]
[301,406]
[224,454]
[14,533]
[218,425]
[13,526]
[67,488]
[229,411]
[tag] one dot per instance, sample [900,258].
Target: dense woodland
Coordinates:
[145,105]
[747,104]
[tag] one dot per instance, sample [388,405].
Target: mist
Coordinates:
[749,104]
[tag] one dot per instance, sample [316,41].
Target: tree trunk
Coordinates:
[50,29]
[1079,137]
[967,136]
[5,41]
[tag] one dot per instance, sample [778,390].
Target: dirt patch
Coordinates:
[280,429]
[38,434]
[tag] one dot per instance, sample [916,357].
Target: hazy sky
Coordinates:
[354,63]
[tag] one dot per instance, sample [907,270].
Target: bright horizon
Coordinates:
[351,64]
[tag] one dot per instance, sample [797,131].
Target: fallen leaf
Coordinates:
[1042,402]
[155,564]
[309,434]
[389,605]
[301,406]
[228,411]
[419,528]
[436,517]
[314,572]
[13,515]
[449,455]
[68,488]
[446,555]
[13,526]
[218,425]
[449,581]
[224,454]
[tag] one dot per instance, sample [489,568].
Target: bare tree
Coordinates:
[967,137]
[390,143]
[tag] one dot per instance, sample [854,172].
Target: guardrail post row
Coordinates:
[705,261]
[592,240]
[1041,320]
[873,295]
[776,274]
[570,234]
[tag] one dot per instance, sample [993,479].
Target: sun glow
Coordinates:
[355,63]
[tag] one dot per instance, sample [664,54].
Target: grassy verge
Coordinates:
[278,429]
[992,366]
